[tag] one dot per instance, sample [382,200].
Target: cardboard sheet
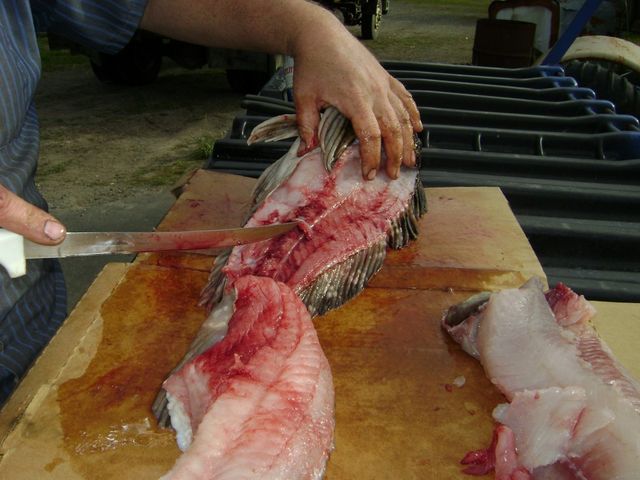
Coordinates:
[84,409]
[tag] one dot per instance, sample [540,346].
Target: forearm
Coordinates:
[272,26]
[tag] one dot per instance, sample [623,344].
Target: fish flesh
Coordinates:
[346,222]
[573,411]
[259,403]
[237,414]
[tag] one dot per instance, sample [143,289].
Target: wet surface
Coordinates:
[148,323]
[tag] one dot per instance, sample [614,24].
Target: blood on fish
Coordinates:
[344,215]
[232,386]
[259,403]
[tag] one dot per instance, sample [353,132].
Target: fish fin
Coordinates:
[456,314]
[335,134]
[214,289]
[211,332]
[405,227]
[276,128]
[343,281]
[274,176]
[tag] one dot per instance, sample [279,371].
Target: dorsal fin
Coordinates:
[336,134]
[274,129]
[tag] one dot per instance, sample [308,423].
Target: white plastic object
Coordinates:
[12,253]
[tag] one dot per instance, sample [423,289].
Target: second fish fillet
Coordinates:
[260,402]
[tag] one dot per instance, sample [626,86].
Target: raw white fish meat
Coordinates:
[574,411]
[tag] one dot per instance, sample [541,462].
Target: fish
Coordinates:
[345,225]
[346,222]
[573,410]
[259,402]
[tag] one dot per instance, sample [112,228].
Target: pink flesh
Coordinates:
[268,408]
[568,307]
[342,215]
[500,456]
[526,351]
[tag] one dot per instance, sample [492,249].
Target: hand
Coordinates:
[29,221]
[333,68]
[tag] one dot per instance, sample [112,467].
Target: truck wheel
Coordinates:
[136,64]
[371,19]
[607,84]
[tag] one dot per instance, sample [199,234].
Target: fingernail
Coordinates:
[53,230]
[413,158]
[372,174]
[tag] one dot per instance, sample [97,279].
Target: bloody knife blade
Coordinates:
[14,249]
[102,243]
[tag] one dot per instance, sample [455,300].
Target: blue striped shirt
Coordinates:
[32,307]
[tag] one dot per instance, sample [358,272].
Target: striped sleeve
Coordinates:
[103,25]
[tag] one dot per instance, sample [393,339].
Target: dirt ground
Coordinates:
[110,154]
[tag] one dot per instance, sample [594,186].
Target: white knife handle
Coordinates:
[12,253]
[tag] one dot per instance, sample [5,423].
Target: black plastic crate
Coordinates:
[567,163]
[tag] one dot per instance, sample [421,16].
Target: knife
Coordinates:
[15,250]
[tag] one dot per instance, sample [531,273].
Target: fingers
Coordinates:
[408,153]
[367,129]
[29,221]
[308,116]
[392,126]
[391,130]
[408,103]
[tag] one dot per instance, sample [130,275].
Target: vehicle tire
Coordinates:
[385,6]
[606,83]
[246,81]
[371,19]
[136,64]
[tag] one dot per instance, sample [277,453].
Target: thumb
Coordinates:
[308,118]
[21,217]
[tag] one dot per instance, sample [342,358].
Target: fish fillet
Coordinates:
[347,223]
[259,403]
[574,411]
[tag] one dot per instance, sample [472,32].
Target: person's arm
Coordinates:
[331,66]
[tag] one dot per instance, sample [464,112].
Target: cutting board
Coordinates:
[83,411]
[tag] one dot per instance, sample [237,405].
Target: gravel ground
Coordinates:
[110,154]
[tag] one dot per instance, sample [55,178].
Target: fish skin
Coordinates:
[260,401]
[528,352]
[346,221]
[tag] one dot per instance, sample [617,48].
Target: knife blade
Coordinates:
[15,249]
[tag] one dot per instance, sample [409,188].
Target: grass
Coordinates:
[164,174]
[203,147]
[199,149]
